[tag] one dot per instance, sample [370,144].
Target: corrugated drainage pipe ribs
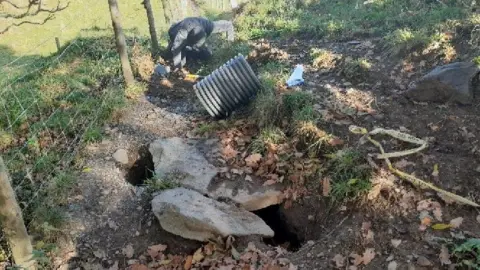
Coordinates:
[228,87]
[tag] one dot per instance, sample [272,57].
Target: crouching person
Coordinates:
[188,39]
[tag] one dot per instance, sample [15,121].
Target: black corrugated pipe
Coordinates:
[228,87]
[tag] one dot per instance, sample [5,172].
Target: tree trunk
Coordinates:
[12,223]
[152,28]
[121,43]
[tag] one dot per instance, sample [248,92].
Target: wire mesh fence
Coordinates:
[51,107]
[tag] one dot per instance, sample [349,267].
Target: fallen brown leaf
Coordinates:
[357,259]
[139,267]
[198,256]
[188,262]
[437,213]
[456,222]
[396,242]
[426,221]
[155,250]
[228,152]
[444,256]
[366,226]
[339,260]
[368,255]
[269,182]
[252,160]
[326,186]
[401,164]
[424,205]
[335,141]
[369,236]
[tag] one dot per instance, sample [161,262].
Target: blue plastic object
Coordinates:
[297,77]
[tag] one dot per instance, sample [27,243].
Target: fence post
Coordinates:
[12,223]
[57,41]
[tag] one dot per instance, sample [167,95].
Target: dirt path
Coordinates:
[110,213]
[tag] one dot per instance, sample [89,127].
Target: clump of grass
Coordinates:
[467,254]
[6,140]
[142,63]
[356,70]
[322,59]
[135,91]
[266,108]
[350,175]
[156,184]
[476,60]
[314,139]
[299,106]
[405,41]
[267,135]
[207,128]
[93,134]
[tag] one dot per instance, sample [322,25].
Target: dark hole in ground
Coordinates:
[142,169]
[285,234]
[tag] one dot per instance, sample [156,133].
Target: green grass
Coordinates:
[322,58]
[402,41]
[69,23]
[267,135]
[476,60]
[350,175]
[156,184]
[299,106]
[467,254]
[356,70]
[344,19]
[50,114]
[266,108]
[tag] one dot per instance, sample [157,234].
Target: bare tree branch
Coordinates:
[25,14]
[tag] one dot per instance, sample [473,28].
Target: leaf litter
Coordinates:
[221,255]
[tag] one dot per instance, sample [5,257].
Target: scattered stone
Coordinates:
[422,261]
[121,156]
[453,82]
[161,70]
[392,265]
[180,162]
[191,215]
[250,196]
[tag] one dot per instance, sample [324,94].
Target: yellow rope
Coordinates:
[385,156]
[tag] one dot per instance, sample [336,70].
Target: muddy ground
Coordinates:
[111,213]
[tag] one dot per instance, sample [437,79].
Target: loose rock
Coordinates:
[456,82]
[180,162]
[248,195]
[121,156]
[191,215]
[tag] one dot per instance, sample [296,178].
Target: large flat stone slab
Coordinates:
[250,196]
[191,215]
[177,160]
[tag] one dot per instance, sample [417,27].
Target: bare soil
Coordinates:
[108,214]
